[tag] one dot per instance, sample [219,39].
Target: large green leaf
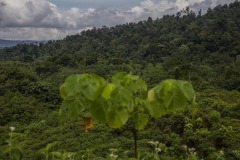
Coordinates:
[98,109]
[71,86]
[151,95]
[107,91]
[138,88]
[155,108]
[136,105]
[74,106]
[168,96]
[89,85]
[132,82]
[174,101]
[121,96]
[169,93]
[187,89]
[92,86]
[116,118]
[140,120]
[117,79]
[79,92]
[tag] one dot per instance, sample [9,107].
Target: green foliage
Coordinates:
[46,150]
[114,101]
[214,116]
[169,96]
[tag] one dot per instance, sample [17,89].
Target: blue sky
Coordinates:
[55,19]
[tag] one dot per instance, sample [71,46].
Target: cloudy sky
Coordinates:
[54,19]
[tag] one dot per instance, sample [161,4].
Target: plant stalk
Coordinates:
[135,135]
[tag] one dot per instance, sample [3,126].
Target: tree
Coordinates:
[122,97]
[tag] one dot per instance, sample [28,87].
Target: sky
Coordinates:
[55,19]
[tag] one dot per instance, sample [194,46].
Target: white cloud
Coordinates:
[149,8]
[181,4]
[40,19]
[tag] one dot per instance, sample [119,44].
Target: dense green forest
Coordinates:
[201,49]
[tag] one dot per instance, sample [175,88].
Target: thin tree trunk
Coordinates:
[135,134]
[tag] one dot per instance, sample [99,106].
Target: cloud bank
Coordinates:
[42,20]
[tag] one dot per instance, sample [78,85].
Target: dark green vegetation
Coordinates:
[202,49]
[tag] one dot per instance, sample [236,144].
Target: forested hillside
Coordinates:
[201,49]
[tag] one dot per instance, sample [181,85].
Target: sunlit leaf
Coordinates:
[79,92]
[92,86]
[122,96]
[141,88]
[129,78]
[74,106]
[72,86]
[117,79]
[135,104]
[106,93]
[140,120]
[155,108]
[168,96]
[175,101]
[89,85]
[151,95]
[116,118]
[187,89]
[98,110]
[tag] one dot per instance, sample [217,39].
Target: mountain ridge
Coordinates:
[11,43]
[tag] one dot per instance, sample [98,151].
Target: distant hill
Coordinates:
[10,43]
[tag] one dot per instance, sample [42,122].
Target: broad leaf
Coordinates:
[97,109]
[151,95]
[155,108]
[175,101]
[116,118]
[89,85]
[187,89]
[79,92]
[141,88]
[168,96]
[106,93]
[72,86]
[121,96]
[140,120]
[169,93]
[75,106]
[117,79]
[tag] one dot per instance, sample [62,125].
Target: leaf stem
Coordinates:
[135,135]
